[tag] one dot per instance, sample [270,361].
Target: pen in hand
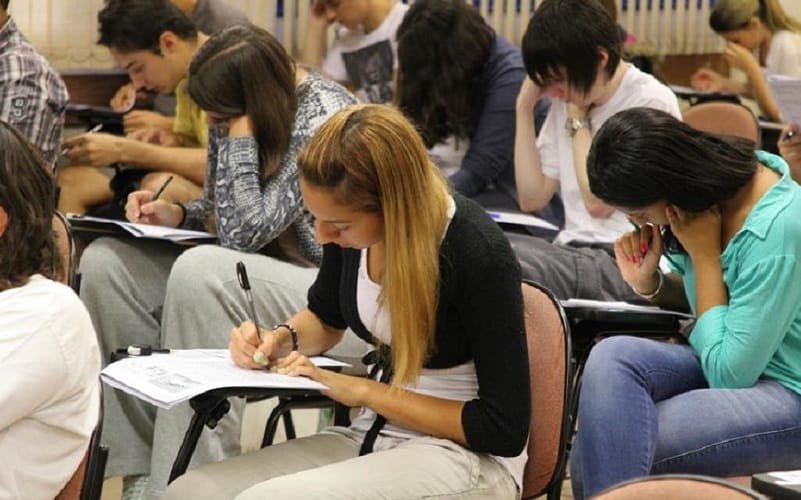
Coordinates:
[161,190]
[92,130]
[244,283]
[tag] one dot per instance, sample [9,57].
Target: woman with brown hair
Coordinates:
[48,349]
[262,110]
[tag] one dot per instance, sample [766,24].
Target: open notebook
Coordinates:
[165,380]
[113,226]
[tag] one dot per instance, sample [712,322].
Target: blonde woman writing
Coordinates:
[429,278]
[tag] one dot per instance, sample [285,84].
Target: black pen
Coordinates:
[242,275]
[162,188]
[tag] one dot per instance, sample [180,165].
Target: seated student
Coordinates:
[32,95]
[726,217]
[440,409]
[48,350]
[750,26]
[154,42]
[262,111]
[457,82]
[363,54]
[571,49]
[209,16]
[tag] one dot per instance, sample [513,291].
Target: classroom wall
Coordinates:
[793,7]
[65,31]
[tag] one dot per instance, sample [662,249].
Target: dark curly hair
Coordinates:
[27,195]
[443,46]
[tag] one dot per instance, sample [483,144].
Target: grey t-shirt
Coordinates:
[213,15]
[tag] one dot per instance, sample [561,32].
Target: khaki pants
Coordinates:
[327,466]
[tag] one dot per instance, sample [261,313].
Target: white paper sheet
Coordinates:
[140,230]
[165,380]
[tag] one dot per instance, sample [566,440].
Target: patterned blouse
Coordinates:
[247,214]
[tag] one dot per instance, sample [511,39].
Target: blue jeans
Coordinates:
[646,408]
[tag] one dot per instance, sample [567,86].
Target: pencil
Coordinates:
[162,188]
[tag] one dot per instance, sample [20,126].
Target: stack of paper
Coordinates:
[165,380]
[786,91]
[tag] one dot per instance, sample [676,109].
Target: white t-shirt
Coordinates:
[556,153]
[784,56]
[49,394]
[368,61]
[458,383]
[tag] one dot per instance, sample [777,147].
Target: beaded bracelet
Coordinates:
[292,332]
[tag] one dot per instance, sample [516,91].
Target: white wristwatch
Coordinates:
[572,125]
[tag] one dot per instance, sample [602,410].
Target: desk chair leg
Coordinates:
[208,411]
[282,409]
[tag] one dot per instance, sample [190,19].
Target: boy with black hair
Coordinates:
[32,95]
[208,16]
[572,54]
[154,42]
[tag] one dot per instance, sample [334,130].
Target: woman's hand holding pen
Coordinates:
[143,209]
[637,253]
[244,342]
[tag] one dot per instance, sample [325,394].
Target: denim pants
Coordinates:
[646,408]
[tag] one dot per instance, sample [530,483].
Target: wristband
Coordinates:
[292,332]
[183,213]
[653,294]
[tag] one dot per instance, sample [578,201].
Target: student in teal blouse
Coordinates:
[728,218]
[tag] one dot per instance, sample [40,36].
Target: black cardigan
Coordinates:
[479,317]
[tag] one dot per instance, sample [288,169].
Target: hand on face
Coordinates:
[740,57]
[637,254]
[124,99]
[528,96]
[699,233]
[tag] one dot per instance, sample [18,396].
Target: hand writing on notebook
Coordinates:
[141,208]
[244,342]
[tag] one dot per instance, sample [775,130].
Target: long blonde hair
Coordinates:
[731,15]
[372,159]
